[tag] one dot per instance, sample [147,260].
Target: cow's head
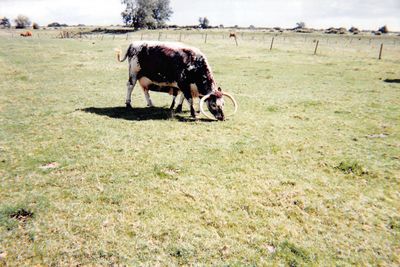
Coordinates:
[215,104]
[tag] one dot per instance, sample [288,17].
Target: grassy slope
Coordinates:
[143,188]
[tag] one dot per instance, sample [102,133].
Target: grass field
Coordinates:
[306,173]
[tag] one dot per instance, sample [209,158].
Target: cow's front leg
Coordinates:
[180,103]
[189,98]
[130,85]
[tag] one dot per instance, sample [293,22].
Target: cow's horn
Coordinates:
[202,100]
[233,101]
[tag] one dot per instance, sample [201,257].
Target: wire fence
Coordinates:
[379,47]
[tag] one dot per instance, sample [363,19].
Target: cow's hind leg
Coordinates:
[130,85]
[148,99]
[171,108]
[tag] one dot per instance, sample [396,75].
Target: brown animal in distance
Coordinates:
[26,34]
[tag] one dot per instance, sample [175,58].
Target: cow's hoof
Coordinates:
[178,109]
[128,106]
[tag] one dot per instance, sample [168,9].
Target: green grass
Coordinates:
[306,173]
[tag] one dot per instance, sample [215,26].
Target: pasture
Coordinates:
[306,173]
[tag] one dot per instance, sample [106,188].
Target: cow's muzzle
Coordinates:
[221,117]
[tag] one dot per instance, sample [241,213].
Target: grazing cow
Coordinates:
[174,67]
[26,34]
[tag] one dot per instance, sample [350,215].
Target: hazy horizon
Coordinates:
[365,15]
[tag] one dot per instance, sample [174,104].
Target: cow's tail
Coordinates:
[118,51]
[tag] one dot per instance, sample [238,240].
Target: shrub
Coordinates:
[354,30]
[35,26]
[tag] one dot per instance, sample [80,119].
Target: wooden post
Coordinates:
[272,43]
[180,37]
[127,36]
[114,37]
[316,47]
[159,36]
[380,51]
[141,36]
[205,39]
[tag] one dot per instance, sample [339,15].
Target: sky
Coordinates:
[364,14]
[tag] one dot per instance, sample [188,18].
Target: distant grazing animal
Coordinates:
[232,34]
[26,34]
[173,68]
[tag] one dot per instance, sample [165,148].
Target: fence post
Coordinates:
[380,51]
[316,47]
[141,36]
[272,42]
[159,36]
[180,37]
[205,38]
[102,36]
[127,36]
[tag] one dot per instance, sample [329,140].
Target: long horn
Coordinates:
[233,101]
[202,100]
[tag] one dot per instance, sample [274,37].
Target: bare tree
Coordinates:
[300,25]
[22,22]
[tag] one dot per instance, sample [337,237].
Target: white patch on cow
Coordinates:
[145,82]
[173,45]
[220,102]
[129,89]
[134,65]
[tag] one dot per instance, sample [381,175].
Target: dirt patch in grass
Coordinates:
[11,217]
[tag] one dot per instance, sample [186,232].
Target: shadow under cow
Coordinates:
[138,114]
[392,80]
[132,114]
